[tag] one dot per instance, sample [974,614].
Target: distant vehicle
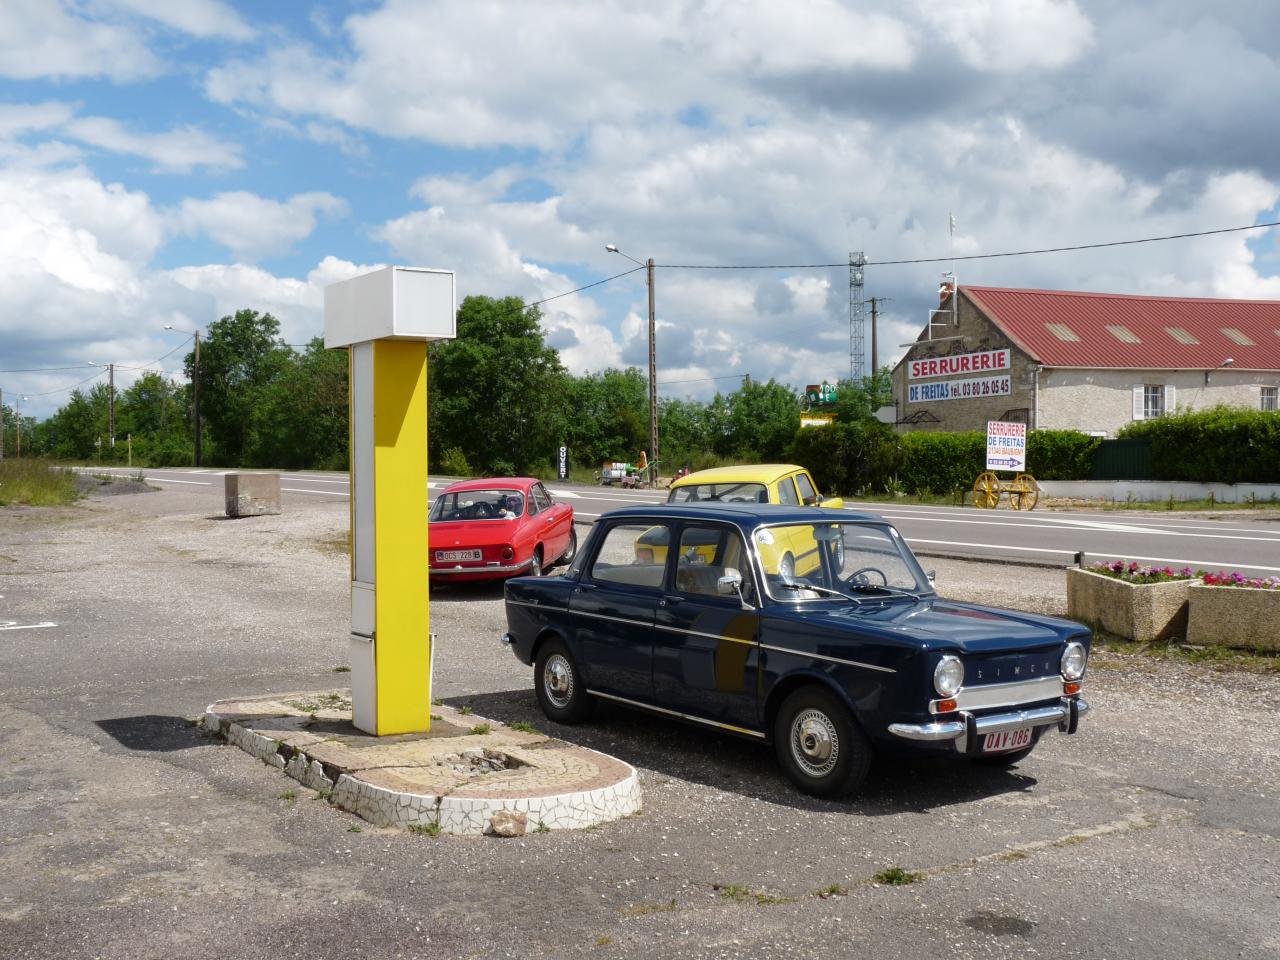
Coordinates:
[858,656]
[498,527]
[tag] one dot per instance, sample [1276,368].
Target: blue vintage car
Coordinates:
[693,612]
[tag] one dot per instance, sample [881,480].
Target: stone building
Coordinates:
[1096,362]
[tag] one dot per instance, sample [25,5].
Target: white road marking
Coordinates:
[1206,564]
[1101,528]
[314,480]
[14,625]
[564,493]
[198,483]
[323,493]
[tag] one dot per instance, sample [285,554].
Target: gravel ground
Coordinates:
[125,833]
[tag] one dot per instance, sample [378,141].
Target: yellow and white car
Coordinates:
[791,553]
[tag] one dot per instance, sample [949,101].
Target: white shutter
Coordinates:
[1170,398]
[1137,401]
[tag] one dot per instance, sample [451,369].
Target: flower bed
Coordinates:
[1128,601]
[1235,611]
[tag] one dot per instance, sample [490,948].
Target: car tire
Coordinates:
[561,693]
[571,550]
[535,562]
[819,745]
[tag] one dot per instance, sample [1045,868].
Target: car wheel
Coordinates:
[558,684]
[535,564]
[819,745]
[787,568]
[571,550]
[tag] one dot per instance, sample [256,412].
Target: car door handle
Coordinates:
[670,601]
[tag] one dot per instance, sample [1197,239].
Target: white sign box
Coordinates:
[1006,445]
[960,389]
[394,303]
[960,363]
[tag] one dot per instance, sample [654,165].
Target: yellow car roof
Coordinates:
[744,473]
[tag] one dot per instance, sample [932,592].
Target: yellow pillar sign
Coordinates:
[385,319]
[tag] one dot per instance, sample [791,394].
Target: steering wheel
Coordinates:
[860,578]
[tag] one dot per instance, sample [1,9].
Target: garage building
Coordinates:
[1096,362]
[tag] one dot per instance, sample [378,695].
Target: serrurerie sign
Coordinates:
[1006,445]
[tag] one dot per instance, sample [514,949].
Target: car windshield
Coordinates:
[720,493]
[493,504]
[841,560]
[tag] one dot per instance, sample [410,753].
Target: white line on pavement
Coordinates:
[1206,564]
[198,483]
[1100,528]
[14,625]
[322,493]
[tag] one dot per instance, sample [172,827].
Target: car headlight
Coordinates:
[1073,661]
[948,676]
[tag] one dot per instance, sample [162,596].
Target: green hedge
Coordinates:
[1223,445]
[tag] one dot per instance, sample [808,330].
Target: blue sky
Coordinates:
[170,162]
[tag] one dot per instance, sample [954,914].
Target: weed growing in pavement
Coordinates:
[541,828]
[465,709]
[480,729]
[834,890]
[1070,841]
[355,829]
[897,877]
[1216,657]
[643,909]
[341,669]
[321,701]
[437,701]
[603,941]
[740,894]
[431,829]
[287,795]
[523,726]
[436,716]
[1013,855]
[324,793]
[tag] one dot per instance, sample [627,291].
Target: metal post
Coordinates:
[195,388]
[653,378]
[111,403]
[875,353]
[1,424]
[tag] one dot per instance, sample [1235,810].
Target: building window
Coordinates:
[1270,400]
[1152,401]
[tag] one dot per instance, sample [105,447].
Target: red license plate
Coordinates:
[1008,740]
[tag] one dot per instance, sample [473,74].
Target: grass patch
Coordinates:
[1013,855]
[1213,656]
[287,795]
[1070,841]
[897,877]
[522,726]
[834,890]
[603,941]
[464,709]
[431,829]
[339,546]
[36,483]
[355,829]
[323,701]
[480,729]
[541,828]
[741,894]
[644,909]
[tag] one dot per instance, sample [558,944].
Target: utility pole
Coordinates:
[653,378]
[875,351]
[1,424]
[111,403]
[195,388]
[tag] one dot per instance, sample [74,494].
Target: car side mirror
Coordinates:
[933,577]
[730,584]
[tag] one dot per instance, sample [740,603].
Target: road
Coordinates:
[1043,536]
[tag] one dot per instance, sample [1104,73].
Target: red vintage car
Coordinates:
[498,527]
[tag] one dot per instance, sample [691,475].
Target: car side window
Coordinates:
[787,492]
[544,499]
[707,553]
[808,495]
[632,554]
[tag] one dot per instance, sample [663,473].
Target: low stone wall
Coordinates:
[1154,490]
[252,494]
[1234,617]
[1136,611]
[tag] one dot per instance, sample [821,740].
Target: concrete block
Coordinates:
[1136,611]
[252,494]
[1234,617]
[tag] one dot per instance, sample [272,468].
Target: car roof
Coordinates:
[745,515]
[491,483]
[753,472]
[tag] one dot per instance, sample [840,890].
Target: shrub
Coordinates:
[1222,444]
[1061,454]
[35,482]
[453,463]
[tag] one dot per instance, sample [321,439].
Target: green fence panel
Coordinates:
[1123,460]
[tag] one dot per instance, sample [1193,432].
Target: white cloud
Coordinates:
[48,38]
[199,18]
[1012,35]
[251,226]
[17,119]
[174,151]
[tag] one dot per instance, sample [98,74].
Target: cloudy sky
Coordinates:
[170,161]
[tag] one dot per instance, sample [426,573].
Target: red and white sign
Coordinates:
[1006,445]
[961,363]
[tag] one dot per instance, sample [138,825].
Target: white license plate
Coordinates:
[1008,740]
[447,556]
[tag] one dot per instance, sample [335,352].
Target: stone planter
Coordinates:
[1135,611]
[1234,617]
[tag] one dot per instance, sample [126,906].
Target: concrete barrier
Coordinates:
[252,494]
[1234,617]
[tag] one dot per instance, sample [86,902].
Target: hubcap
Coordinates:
[815,743]
[557,680]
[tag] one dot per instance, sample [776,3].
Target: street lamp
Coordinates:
[653,361]
[111,400]
[17,409]
[195,382]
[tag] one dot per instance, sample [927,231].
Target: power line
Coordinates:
[972,256]
[49,393]
[586,286]
[78,366]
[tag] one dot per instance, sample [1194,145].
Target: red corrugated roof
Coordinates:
[1026,316]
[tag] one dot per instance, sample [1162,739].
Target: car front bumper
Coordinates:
[966,732]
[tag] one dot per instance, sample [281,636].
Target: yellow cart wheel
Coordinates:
[1029,491]
[986,491]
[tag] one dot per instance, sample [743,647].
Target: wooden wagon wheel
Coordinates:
[986,491]
[1024,494]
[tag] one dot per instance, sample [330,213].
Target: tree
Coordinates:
[763,419]
[239,361]
[151,412]
[606,416]
[497,391]
[76,428]
[303,421]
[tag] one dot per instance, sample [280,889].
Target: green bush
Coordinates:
[453,463]
[1222,444]
[35,482]
[1060,454]
[941,462]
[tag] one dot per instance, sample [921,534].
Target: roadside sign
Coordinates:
[1006,445]
[562,463]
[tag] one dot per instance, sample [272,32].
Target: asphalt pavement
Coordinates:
[127,833]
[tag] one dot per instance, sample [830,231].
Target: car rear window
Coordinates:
[720,493]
